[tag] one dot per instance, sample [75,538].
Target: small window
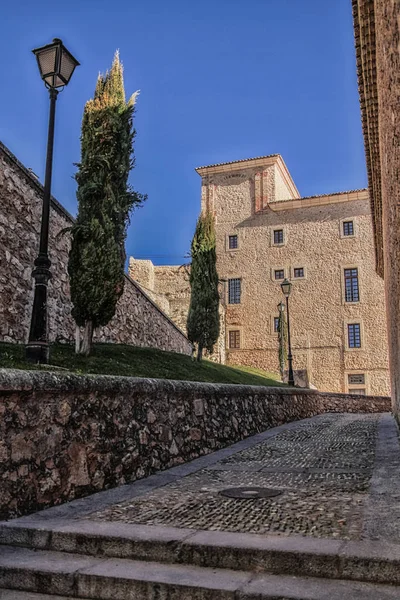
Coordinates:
[278,236]
[358,391]
[234,339]
[351,289]
[357,379]
[348,228]
[354,335]
[233,242]
[234,290]
[279,274]
[298,272]
[276,324]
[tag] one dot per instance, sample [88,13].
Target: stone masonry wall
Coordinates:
[138,320]
[387,32]
[64,436]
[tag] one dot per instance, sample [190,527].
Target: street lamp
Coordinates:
[286,287]
[56,65]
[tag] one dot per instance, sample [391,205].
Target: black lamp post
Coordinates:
[286,287]
[56,65]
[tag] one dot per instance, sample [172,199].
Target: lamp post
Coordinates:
[56,65]
[286,287]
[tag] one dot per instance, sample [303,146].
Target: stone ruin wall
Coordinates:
[138,320]
[169,287]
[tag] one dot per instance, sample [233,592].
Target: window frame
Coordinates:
[349,387]
[230,328]
[297,269]
[279,270]
[354,336]
[239,279]
[228,238]
[237,333]
[344,279]
[284,234]
[341,228]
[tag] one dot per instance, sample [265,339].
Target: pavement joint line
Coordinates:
[106,498]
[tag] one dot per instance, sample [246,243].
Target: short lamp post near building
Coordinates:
[286,288]
[56,66]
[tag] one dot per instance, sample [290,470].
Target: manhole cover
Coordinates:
[247,493]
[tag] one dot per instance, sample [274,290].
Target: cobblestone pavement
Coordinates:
[323,468]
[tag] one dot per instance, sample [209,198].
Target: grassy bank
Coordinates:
[119,359]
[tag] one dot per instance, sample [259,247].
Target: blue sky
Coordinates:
[220,80]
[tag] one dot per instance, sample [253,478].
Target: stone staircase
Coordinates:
[41,559]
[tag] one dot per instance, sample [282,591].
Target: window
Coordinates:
[234,339]
[279,273]
[234,291]
[351,291]
[278,236]
[233,242]
[357,379]
[298,272]
[354,335]
[348,228]
[276,324]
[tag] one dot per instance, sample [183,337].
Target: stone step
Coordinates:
[306,557]
[76,576]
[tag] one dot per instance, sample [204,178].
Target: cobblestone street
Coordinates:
[323,468]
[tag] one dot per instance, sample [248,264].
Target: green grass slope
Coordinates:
[119,359]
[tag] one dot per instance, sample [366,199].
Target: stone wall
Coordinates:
[64,436]
[377,37]
[138,320]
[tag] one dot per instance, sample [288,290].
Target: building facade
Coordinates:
[377,41]
[324,244]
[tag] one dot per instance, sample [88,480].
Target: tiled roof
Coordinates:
[232,162]
[334,194]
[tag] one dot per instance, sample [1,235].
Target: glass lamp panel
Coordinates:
[47,60]
[286,286]
[68,65]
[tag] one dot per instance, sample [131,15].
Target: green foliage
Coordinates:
[105,199]
[282,337]
[203,317]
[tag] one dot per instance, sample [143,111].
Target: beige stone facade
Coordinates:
[279,234]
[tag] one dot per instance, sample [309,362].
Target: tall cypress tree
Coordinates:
[203,316]
[105,199]
[282,338]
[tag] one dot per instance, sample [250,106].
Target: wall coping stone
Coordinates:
[20,380]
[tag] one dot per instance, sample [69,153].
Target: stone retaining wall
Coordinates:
[138,320]
[64,436]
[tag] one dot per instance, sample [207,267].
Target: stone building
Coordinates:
[377,38]
[323,244]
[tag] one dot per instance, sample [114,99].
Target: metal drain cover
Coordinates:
[248,493]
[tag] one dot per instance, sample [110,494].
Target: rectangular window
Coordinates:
[299,272]
[234,339]
[276,324]
[354,335]
[358,391]
[279,274]
[233,242]
[234,291]
[278,236]
[357,379]
[351,290]
[348,228]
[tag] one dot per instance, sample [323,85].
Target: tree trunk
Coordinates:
[199,353]
[77,340]
[87,339]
